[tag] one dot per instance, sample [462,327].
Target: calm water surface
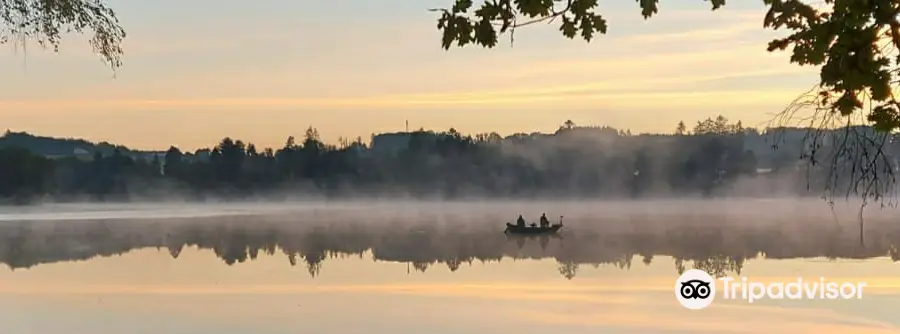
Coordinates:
[435,269]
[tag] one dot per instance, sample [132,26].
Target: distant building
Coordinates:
[590,132]
[78,153]
[390,143]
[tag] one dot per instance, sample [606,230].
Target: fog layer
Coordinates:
[717,235]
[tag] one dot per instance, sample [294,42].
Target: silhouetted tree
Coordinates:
[172,163]
[680,129]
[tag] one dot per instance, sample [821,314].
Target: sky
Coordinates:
[195,72]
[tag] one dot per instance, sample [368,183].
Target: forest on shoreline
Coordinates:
[714,158]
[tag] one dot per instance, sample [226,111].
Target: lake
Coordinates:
[381,267]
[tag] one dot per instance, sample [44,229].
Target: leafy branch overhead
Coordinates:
[45,21]
[854,42]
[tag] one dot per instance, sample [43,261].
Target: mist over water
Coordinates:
[344,266]
[379,211]
[689,229]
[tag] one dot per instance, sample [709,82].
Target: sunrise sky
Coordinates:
[197,71]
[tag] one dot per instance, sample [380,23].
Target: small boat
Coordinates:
[533,229]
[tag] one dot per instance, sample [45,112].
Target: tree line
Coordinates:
[714,158]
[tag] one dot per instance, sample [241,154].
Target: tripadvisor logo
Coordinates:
[695,289]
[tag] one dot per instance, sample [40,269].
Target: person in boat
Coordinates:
[520,222]
[544,221]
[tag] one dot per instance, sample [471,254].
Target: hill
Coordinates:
[64,147]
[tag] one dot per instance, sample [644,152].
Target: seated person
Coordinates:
[544,221]
[521,221]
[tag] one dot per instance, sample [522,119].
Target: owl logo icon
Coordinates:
[695,289]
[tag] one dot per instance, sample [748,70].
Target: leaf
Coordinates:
[778,44]
[488,11]
[885,118]
[568,27]
[587,28]
[485,34]
[599,23]
[847,103]
[534,8]
[449,34]
[881,87]
[581,7]
[648,7]
[463,30]
[461,6]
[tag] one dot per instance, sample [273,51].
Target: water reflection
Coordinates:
[717,247]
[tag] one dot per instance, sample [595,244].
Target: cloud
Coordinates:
[490,100]
[715,34]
